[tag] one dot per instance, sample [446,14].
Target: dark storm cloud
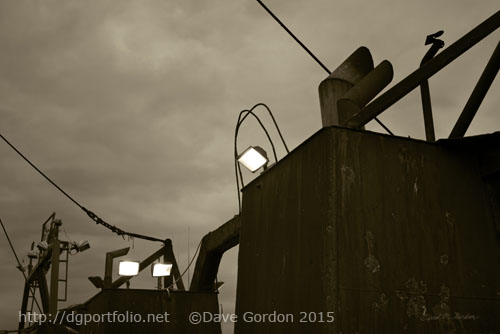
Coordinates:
[131,106]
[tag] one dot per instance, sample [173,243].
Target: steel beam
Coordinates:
[477,95]
[213,246]
[44,291]
[108,266]
[434,65]
[24,305]
[54,277]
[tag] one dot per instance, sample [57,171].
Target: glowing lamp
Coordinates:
[128,268]
[253,158]
[161,269]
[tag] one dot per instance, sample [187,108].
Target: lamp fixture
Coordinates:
[161,269]
[238,157]
[80,246]
[128,268]
[254,158]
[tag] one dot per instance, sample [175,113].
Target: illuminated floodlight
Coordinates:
[161,269]
[253,158]
[128,268]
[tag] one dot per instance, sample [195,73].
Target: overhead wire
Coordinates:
[89,213]
[20,266]
[327,70]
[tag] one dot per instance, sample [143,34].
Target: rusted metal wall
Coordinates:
[130,302]
[391,234]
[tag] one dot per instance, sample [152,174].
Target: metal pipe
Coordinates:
[434,65]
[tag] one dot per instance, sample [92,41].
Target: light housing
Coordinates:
[32,254]
[253,158]
[128,268]
[43,245]
[82,245]
[161,269]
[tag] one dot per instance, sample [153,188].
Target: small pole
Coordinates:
[159,283]
[54,270]
[424,85]
[427,108]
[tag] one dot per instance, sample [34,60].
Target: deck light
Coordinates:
[81,246]
[254,158]
[128,268]
[161,269]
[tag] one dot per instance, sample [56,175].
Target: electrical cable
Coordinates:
[275,123]
[307,50]
[240,121]
[189,265]
[238,124]
[89,213]
[236,164]
[20,266]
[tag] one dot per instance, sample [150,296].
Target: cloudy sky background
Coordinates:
[130,106]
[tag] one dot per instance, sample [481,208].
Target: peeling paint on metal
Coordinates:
[416,305]
[348,176]
[381,303]
[450,221]
[443,259]
[371,262]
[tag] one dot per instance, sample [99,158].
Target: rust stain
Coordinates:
[381,303]
[371,262]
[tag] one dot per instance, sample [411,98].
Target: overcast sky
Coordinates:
[130,106]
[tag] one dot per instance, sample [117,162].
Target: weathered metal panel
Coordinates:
[391,234]
[149,303]
[287,258]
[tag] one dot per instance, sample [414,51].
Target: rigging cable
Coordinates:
[309,51]
[91,214]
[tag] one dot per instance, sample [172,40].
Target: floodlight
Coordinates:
[253,158]
[161,269]
[32,254]
[43,245]
[128,268]
[82,245]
